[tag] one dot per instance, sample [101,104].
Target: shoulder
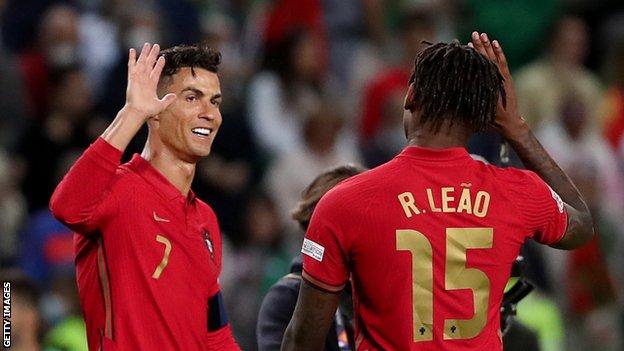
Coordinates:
[126,182]
[205,209]
[512,175]
[354,190]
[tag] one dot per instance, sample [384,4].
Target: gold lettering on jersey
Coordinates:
[465,204]
[458,276]
[431,202]
[445,200]
[482,202]
[165,260]
[408,203]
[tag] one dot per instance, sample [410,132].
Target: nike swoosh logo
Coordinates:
[159,219]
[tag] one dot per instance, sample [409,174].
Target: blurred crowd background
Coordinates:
[307,84]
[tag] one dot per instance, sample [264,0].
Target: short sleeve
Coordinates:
[542,209]
[325,246]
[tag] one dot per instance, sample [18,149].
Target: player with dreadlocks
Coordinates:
[429,238]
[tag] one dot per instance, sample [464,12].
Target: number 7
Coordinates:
[165,260]
[457,276]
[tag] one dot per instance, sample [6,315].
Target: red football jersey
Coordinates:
[428,240]
[147,257]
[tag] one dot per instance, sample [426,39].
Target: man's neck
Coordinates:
[441,140]
[180,173]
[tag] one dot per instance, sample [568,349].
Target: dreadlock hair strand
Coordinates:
[456,83]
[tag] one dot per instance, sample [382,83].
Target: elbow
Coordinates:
[57,210]
[63,210]
[587,227]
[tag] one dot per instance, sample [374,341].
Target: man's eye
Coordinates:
[191,98]
[216,103]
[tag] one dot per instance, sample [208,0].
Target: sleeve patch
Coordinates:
[313,249]
[557,199]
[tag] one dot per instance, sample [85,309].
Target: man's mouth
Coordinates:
[204,132]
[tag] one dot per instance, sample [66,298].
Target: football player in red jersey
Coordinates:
[429,238]
[148,252]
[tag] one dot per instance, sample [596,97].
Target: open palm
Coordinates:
[143,76]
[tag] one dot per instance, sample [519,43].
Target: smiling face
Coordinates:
[189,125]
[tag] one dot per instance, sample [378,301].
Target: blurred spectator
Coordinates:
[226,178]
[286,91]
[614,101]
[70,124]
[12,208]
[294,170]
[582,277]
[570,140]
[138,23]
[250,270]
[56,46]
[591,293]
[544,85]
[26,322]
[47,246]
[62,310]
[381,130]
[98,37]
[13,110]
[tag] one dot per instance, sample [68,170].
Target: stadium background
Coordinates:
[307,84]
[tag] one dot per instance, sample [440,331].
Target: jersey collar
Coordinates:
[156,179]
[428,154]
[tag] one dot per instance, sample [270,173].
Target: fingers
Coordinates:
[153,55]
[131,57]
[477,44]
[144,52]
[148,61]
[491,50]
[500,57]
[158,67]
[485,41]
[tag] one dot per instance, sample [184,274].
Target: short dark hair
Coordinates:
[193,56]
[323,183]
[455,82]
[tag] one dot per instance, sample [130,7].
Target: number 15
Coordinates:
[457,276]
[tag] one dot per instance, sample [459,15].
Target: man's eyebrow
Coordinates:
[216,96]
[193,89]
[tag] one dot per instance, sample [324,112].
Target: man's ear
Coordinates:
[153,122]
[410,99]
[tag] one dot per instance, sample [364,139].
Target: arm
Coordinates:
[81,197]
[314,314]
[517,132]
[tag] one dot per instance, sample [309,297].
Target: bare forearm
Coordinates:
[303,334]
[313,316]
[123,128]
[536,159]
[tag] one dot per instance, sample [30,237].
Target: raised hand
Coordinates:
[143,76]
[508,120]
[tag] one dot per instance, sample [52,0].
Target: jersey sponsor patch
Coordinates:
[557,199]
[313,249]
